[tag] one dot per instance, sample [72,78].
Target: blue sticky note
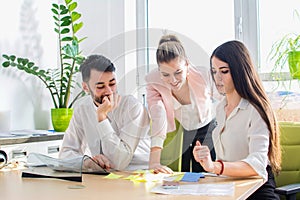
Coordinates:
[192,177]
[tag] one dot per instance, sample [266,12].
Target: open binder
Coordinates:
[42,166]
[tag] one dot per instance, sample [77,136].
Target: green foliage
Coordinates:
[281,49]
[59,81]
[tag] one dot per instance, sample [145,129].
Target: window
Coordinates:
[276,19]
[200,25]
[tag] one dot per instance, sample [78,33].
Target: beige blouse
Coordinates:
[243,136]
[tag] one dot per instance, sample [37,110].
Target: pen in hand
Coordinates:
[102,161]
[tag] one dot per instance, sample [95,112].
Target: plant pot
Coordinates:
[294,64]
[61,118]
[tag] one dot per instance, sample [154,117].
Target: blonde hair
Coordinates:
[169,48]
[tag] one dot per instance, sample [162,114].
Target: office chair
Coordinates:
[171,153]
[288,181]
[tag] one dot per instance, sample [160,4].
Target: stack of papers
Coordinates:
[194,188]
[226,189]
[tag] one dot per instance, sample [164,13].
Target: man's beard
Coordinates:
[98,99]
[95,98]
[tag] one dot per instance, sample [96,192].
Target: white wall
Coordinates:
[23,98]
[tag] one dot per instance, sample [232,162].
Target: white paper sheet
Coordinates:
[198,189]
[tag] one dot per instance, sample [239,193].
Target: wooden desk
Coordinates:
[14,187]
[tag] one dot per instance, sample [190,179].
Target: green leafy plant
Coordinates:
[281,49]
[59,81]
[286,50]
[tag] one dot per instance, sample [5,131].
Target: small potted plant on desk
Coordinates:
[59,81]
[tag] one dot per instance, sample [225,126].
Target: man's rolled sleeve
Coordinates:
[104,129]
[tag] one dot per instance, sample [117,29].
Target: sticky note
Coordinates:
[113,176]
[192,177]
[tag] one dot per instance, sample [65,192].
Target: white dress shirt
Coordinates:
[188,115]
[123,138]
[243,136]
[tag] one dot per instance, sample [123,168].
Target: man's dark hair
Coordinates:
[97,62]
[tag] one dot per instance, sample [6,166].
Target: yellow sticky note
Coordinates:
[178,177]
[113,176]
[130,177]
[139,179]
[135,178]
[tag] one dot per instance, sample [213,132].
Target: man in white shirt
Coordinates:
[110,128]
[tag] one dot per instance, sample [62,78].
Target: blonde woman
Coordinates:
[178,90]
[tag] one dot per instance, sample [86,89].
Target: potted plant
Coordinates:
[59,81]
[287,50]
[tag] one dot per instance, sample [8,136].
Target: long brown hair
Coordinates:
[249,86]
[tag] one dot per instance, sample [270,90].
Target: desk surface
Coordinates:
[13,187]
[28,139]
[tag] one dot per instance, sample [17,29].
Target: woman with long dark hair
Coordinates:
[246,138]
